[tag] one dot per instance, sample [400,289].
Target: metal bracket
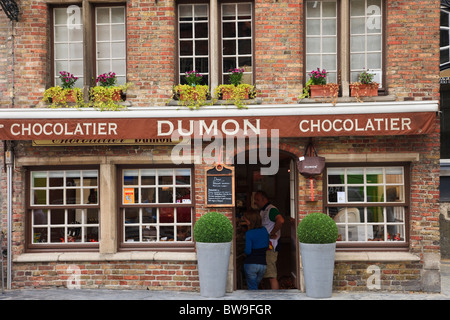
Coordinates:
[11,9]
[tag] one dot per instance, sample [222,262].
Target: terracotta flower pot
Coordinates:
[320,91]
[363,90]
[229,94]
[116,96]
[70,96]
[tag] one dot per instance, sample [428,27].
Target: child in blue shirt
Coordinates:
[256,245]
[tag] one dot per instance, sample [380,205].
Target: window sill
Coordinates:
[349,99]
[207,103]
[99,257]
[371,256]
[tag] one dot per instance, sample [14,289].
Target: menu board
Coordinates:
[220,186]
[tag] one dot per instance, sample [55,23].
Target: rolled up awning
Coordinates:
[293,120]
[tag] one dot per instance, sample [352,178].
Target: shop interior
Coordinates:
[280,190]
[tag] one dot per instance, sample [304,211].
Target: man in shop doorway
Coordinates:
[272,220]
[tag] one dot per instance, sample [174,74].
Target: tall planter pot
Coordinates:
[213,259]
[318,268]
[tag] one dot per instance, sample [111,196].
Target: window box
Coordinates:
[324,91]
[57,96]
[364,90]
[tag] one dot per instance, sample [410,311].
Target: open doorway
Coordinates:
[281,190]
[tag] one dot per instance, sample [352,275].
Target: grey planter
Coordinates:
[318,268]
[213,259]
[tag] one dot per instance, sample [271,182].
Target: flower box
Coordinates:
[69,95]
[323,91]
[105,94]
[364,90]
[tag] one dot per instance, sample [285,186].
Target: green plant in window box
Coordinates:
[317,86]
[236,91]
[107,95]
[192,95]
[60,96]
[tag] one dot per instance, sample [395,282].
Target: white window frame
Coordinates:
[248,72]
[138,201]
[349,213]
[346,73]
[73,22]
[323,56]
[194,56]
[81,209]
[121,77]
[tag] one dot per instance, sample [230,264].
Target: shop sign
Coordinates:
[156,128]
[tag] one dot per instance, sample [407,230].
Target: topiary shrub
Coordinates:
[317,227]
[213,227]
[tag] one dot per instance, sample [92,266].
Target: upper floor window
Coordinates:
[109,41]
[366,41]
[326,42]
[68,43]
[193,40]
[237,40]
[444,39]
[235,47]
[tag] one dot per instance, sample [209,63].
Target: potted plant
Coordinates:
[107,88]
[192,94]
[61,95]
[317,86]
[317,234]
[106,95]
[236,90]
[213,233]
[365,87]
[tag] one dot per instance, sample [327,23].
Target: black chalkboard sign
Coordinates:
[219,189]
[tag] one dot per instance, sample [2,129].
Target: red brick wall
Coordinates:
[412,52]
[179,276]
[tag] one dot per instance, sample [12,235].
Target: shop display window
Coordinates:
[64,207]
[367,203]
[156,205]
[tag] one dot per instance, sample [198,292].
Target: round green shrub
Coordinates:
[317,227]
[213,227]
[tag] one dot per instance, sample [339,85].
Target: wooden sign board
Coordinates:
[219,189]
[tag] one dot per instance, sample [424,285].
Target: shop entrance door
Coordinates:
[282,192]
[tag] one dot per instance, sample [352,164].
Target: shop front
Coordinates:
[109,199]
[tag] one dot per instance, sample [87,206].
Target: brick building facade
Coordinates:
[381,182]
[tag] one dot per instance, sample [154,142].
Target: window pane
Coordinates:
[110,33]
[228,12]
[201,30]
[186,48]
[148,195]
[201,48]
[184,233]
[185,30]
[355,176]
[244,11]
[130,177]
[374,175]
[118,15]
[103,15]
[166,215]
[355,194]
[229,30]
[184,215]
[103,33]
[229,47]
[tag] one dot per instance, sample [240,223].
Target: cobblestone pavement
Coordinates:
[239,295]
